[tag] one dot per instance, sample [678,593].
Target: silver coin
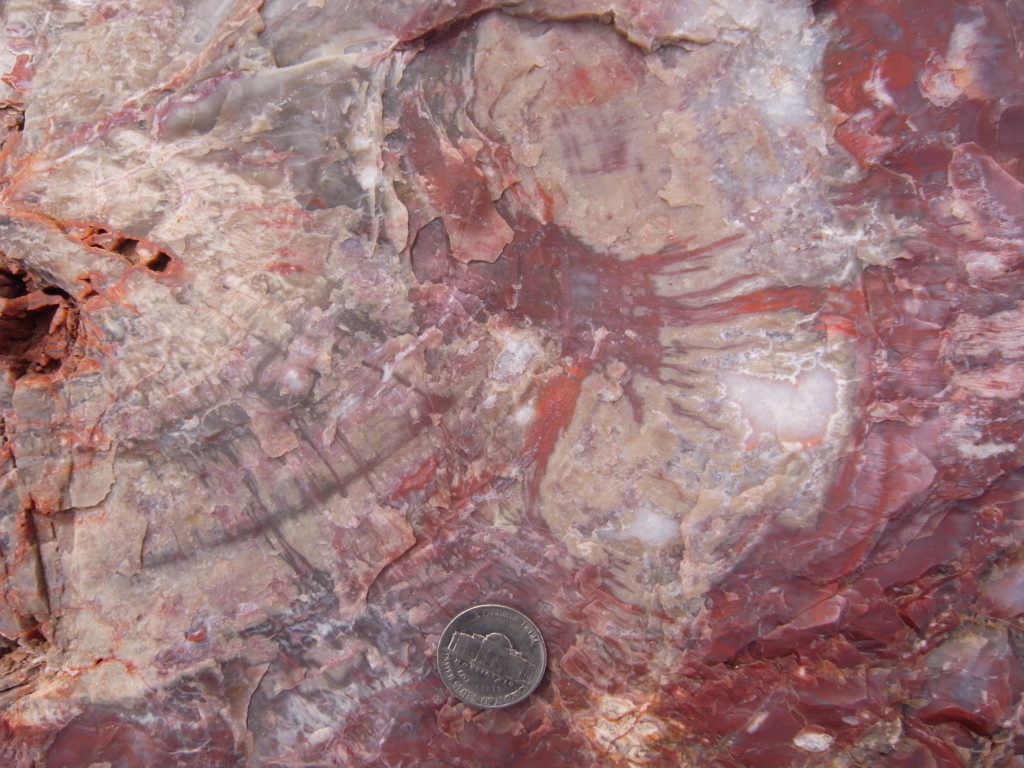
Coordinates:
[491,656]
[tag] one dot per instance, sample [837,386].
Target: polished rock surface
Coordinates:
[694,330]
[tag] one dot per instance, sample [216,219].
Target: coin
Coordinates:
[491,656]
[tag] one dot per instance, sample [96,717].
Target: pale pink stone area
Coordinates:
[796,410]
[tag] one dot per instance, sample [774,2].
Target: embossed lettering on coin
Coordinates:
[491,656]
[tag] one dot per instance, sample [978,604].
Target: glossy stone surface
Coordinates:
[693,330]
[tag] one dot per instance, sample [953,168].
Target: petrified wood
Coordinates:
[691,328]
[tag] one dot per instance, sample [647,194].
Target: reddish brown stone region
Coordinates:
[877,617]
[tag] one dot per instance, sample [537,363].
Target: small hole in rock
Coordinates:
[159,262]
[126,247]
[11,285]
[38,323]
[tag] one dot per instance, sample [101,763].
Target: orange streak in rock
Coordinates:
[417,480]
[555,406]
[21,73]
[799,298]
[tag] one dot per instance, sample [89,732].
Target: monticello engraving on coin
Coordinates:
[491,656]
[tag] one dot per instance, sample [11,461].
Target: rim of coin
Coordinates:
[522,687]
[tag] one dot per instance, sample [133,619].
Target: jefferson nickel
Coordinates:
[491,656]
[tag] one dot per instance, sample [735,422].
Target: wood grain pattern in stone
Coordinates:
[693,328]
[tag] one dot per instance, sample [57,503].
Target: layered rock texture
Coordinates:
[691,328]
